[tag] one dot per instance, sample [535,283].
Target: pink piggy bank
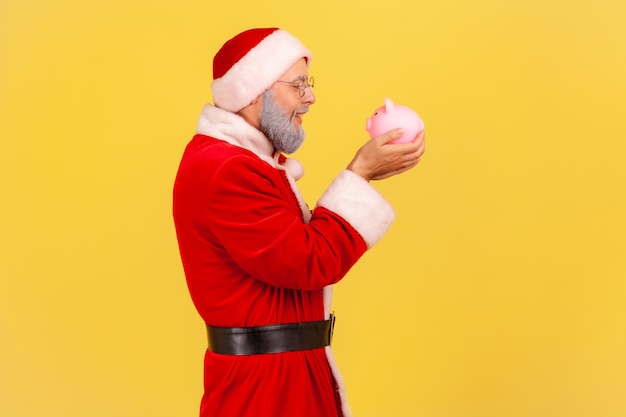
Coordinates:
[391,116]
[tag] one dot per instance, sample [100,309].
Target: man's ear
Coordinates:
[251,113]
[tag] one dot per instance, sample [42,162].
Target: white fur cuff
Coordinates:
[356,201]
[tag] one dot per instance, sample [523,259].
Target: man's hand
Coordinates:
[379,159]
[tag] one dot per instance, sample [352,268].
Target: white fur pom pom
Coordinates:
[294,168]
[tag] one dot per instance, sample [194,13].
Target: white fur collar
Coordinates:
[232,128]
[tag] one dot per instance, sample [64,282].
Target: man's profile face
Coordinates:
[287,93]
[283,106]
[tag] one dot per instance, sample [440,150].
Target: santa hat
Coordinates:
[250,63]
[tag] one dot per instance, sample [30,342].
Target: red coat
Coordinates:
[253,254]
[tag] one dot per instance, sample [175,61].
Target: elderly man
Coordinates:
[259,264]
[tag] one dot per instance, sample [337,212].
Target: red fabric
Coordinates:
[250,260]
[236,48]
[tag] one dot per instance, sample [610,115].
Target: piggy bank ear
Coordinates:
[388,105]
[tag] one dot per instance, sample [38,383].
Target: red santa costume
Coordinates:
[253,252]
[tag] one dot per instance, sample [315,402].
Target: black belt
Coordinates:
[275,338]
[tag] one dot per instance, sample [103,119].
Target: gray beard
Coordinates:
[277,126]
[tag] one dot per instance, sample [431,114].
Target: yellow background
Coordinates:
[499,291]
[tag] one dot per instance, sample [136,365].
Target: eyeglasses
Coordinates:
[301,84]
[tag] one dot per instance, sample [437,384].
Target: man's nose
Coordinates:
[309,96]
